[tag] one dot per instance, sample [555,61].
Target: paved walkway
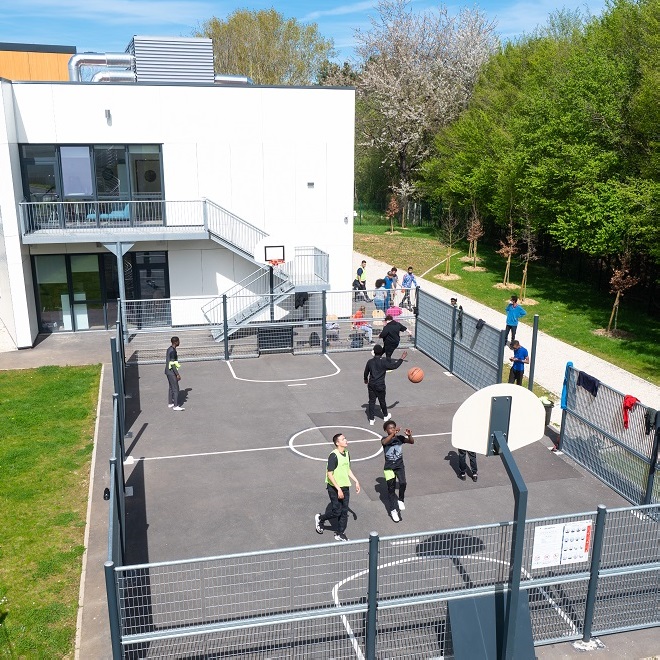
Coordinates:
[551,354]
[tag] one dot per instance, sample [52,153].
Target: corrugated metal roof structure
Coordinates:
[172,59]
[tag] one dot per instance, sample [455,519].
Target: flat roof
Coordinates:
[37,48]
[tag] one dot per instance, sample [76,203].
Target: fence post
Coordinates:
[652,467]
[225,326]
[535,332]
[324,315]
[416,312]
[500,353]
[372,596]
[453,339]
[113,609]
[596,553]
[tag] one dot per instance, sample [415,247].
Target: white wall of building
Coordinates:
[254,150]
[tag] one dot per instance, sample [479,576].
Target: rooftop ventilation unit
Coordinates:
[172,59]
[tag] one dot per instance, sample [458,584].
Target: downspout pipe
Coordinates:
[98,59]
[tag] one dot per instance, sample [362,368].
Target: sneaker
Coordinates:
[387,417]
[341,537]
[178,408]
[474,477]
[170,405]
[372,422]
[461,476]
[395,515]
[402,506]
[317,524]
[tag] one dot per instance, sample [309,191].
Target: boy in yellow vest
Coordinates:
[338,480]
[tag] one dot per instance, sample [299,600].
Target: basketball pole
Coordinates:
[500,413]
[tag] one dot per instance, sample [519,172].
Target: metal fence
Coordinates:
[466,346]
[594,434]
[590,573]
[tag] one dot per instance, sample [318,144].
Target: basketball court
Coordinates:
[242,468]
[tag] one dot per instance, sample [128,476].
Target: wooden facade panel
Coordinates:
[21,65]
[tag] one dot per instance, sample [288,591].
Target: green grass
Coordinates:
[568,310]
[46,425]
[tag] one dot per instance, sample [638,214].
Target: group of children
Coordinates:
[386,288]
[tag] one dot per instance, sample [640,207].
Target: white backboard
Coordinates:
[471,423]
[278,240]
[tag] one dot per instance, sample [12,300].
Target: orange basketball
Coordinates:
[415,375]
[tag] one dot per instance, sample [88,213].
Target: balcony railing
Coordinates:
[61,217]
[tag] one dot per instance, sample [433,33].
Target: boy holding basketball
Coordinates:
[394,468]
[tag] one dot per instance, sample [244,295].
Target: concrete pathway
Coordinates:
[551,354]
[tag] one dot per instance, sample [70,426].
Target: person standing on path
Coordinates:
[514,312]
[389,286]
[518,361]
[407,283]
[380,295]
[374,379]
[462,464]
[394,468]
[173,377]
[391,335]
[338,481]
[361,278]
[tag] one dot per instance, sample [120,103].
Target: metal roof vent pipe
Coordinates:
[125,60]
[113,76]
[231,79]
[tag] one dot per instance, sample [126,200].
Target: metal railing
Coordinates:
[594,434]
[60,217]
[229,228]
[362,598]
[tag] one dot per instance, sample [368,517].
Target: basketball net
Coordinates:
[275,263]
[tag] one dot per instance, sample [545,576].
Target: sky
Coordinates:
[103,26]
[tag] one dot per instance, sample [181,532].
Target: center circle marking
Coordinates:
[333,426]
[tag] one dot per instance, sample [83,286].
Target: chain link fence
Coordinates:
[613,437]
[314,601]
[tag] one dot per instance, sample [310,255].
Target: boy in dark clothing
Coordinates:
[394,467]
[173,376]
[374,379]
[391,334]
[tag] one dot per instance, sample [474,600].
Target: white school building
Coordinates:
[163,180]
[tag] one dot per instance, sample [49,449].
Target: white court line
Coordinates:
[285,380]
[407,560]
[297,385]
[130,460]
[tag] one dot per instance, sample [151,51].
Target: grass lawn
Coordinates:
[568,310]
[47,420]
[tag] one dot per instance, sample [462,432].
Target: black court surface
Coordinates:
[243,467]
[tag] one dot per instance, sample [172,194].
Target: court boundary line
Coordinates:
[132,460]
[286,380]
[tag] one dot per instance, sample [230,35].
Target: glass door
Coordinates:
[88,308]
[53,292]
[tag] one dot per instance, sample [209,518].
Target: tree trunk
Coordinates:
[470,253]
[448,261]
[614,308]
[523,284]
[474,253]
[506,272]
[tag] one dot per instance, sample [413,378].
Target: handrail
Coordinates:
[229,227]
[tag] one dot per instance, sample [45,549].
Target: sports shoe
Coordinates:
[387,417]
[170,405]
[462,476]
[341,537]
[372,422]
[317,524]
[178,408]
[474,477]
[395,515]
[402,506]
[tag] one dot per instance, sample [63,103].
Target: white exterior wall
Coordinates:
[252,150]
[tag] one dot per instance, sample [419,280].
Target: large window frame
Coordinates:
[64,178]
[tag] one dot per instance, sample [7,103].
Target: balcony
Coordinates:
[111,221]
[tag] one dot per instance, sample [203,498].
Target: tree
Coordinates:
[475,231]
[621,281]
[451,231]
[265,46]
[417,71]
[507,249]
[392,211]
[529,239]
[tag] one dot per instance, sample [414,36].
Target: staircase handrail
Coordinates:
[229,227]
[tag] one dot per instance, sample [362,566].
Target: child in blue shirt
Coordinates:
[513,312]
[518,361]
